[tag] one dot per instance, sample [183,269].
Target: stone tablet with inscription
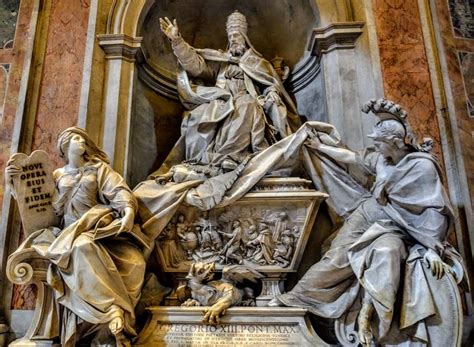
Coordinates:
[241,326]
[34,189]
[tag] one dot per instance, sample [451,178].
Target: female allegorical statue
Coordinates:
[94,281]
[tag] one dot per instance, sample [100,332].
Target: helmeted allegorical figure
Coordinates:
[404,217]
[245,111]
[97,283]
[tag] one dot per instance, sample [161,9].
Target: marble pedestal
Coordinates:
[241,326]
[25,342]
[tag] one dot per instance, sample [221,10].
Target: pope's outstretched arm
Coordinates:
[188,58]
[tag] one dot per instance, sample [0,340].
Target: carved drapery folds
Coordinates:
[269,225]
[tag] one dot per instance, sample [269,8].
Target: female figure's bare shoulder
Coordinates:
[58,173]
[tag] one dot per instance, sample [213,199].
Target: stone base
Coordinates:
[241,326]
[33,343]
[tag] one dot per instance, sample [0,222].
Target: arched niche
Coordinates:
[273,27]
[142,114]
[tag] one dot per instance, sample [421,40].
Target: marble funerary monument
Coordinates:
[261,225]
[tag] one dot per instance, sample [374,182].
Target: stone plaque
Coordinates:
[241,326]
[34,189]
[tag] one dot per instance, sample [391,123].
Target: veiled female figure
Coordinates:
[97,281]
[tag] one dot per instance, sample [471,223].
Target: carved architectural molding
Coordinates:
[120,46]
[335,36]
[303,75]
[334,46]
[163,81]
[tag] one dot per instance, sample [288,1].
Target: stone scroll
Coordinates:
[34,189]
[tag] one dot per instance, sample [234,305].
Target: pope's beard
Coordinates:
[237,49]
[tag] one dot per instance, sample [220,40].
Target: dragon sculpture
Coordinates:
[219,295]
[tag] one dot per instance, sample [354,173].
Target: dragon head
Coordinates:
[201,272]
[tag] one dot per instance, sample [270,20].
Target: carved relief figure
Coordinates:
[405,215]
[231,120]
[284,248]
[232,249]
[168,243]
[230,236]
[252,245]
[209,238]
[188,237]
[279,225]
[96,278]
[266,246]
[203,290]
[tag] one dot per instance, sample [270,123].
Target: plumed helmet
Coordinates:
[393,122]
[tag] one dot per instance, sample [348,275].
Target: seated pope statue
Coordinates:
[405,216]
[247,108]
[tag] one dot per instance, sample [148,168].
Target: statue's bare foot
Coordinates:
[117,323]
[365,329]
[229,164]
[275,303]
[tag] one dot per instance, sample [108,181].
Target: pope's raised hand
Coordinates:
[170,29]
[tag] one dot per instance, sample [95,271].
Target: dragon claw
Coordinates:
[212,316]
[191,303]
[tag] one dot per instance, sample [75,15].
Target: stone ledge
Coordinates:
[334,36]
[119,46]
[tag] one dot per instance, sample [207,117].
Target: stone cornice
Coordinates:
[119,46]
[334,36]
[163,81]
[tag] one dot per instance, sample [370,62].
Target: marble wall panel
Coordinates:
[8,19]
[12,56]
[24,297]
[59,96]
[462,18]
[4,71]
[459,53]
[406,75]
[466,62]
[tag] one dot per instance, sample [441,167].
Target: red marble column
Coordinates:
[461,85]
[405,70]
[14,57]
[59,95]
